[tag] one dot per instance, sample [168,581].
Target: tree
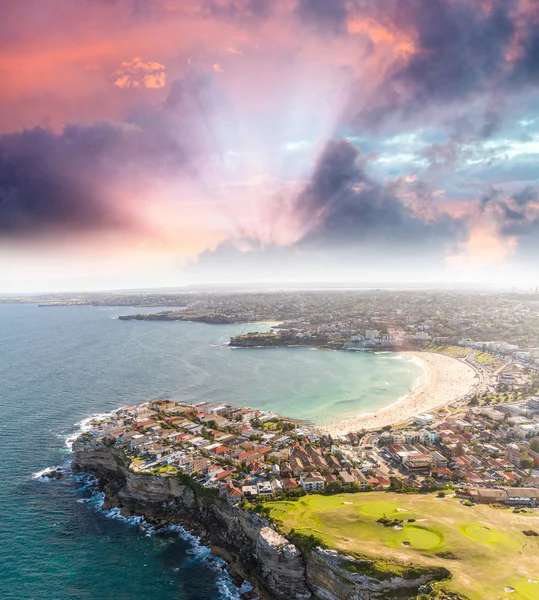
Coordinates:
[459,450]
[335,487]
[534,445]
[526,463]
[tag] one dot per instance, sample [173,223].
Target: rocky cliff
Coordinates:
[254,550]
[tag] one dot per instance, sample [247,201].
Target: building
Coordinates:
[311,482]
[417,462]
[249,491]
[522,497]
[264,488]
[508,496]
[440,461]
[422,420]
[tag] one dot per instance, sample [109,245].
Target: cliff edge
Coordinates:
[254,550]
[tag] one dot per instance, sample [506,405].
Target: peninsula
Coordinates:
[175,315]
[304,512]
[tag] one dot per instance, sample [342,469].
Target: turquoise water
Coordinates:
[60,365]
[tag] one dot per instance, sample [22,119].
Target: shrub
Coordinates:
[306,543]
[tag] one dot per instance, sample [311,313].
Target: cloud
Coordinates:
[348,222]
[354,210]
[514,218]
[43,186]
[73,180]
[137,73]
[461,51]
[326,17]
[526,195]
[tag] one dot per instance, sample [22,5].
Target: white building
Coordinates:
[264,488]
[311,482]
[424,419]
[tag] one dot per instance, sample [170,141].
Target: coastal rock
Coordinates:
[245,540]
[332,576]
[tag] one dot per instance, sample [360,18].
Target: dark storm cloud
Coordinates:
[339,166]
[516,215]
[327,17]
[351,221]
[460,46]
[355,210]
[240,8]
[527,195]
[527,67]
[50,181]
[68,180]
[460,53]
[41,185]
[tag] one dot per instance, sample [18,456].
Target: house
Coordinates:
[441,473]
[276,486]
[223,476]
[264,488]
[311,482]
[249,491]
[286,470]
[290,483]
[483,495]
[249,457]
[360,478]
[346,478]
[232,494]
[224,452]
[296,466]
[333,463]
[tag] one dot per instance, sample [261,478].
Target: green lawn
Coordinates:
[484,357]
[483,547]
[454,351]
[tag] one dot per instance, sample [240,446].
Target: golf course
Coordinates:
[484,547]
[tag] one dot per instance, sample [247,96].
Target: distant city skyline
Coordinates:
[168,143]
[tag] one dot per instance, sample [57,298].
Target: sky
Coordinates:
[162,143]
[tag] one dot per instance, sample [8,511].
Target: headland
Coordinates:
[308,516]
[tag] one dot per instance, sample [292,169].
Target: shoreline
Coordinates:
[443,381]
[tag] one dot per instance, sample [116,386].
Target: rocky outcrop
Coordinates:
[245,540]
[332,576]
[251,546]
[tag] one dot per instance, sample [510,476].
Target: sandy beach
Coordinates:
[443,381]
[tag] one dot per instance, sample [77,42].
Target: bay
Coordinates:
[60,365]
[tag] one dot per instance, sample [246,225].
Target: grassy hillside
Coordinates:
[484,547]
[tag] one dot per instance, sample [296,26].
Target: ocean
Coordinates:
[60,365]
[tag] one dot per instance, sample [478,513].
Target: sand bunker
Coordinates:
[421,538]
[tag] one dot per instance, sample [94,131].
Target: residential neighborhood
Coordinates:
[249,455]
